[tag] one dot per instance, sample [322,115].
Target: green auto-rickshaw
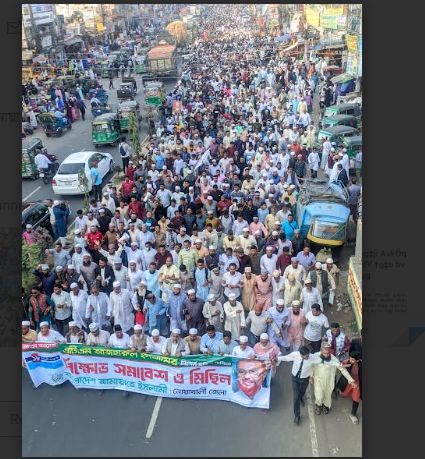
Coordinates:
[29,151]
[154,93]
[140,64]
[353,145]
[106,130]
[125,109]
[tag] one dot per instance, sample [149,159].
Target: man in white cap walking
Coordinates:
[175,345]
[97,337]
[321,280]
[243,350]
[97,308]
[309,296]
[296,269]
[176,298]
[79,300]
[47,335]
[279,320]
[75,335]
[193,340]
[213,312]
[155,342]
[235,317]
[138,341]
[268,351]
[28,334]
[121,309]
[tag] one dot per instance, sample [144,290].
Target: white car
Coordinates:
[66,181]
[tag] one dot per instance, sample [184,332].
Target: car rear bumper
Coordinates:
[63,190]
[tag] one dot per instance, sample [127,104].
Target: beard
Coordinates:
[86,263]
[325,359]
[296,313]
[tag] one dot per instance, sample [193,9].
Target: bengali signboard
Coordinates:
[352,42]
[242,381]
[354,289]
[360,57]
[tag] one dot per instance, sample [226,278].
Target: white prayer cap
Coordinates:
[243,339]
[212,247]
[116,284]
[164,168]
[210,212]
[329,260]
[78,246]
[292,187]
[332,149]
[269,247]
[56,202]
[70,267]
[276,273]
[280,301]
[209,197]
[93,326]
[59,268]
[307,281]
[74,285]
[344,150]
[318,265]
[258,231]
[247,269]
[232,296]
[245,229]
[285,186]
[264,174]
[191,291]
[277,222]
[26,323]
[294,259]
[198,241]
[86,255]
[117,261]
[44,267]
[275,233]
[177,286]
[155,332]
[193,331]
[138,327]
[211,297]
[176,331]
[44,324]
[142,282]
[295,303]
[73,323]
[271,183]
[133,262]
[28,226]
[264,336]
[292,153]
[136,244]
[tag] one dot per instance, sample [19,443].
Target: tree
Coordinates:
[133,129]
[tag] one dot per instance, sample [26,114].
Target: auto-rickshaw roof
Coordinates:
[28,144]
[354,140]
[337,118]
[104,117]
[128,104]
[343,106]
[335,130]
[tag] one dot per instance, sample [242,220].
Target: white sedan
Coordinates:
[66,181]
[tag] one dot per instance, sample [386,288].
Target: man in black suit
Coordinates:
[342,175]
[104,276]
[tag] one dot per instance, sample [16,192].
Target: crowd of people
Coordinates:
[199,250]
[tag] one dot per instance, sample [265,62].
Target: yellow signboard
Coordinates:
[352,41]
[312,16]
[335,10]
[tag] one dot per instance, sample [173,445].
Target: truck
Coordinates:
[323,213]
[161,61]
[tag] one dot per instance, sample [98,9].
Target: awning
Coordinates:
[343,78]
[72,41]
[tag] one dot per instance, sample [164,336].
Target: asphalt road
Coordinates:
[64,422]
[79,139]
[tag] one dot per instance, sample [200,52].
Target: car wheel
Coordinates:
[111,166]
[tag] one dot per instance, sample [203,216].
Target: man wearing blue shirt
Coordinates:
[289,226]
[96,181]
[210,341]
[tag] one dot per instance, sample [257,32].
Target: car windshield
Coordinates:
[327,230]
[70,168]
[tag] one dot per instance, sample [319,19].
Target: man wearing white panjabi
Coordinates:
[235,317]
[121,308]
[120,271]
[213,312]
[155,342]
[135,275]
[243,350]
[279,320]
[97,308]
[79,300]
[46,335]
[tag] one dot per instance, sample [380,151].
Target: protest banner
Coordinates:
[242,381]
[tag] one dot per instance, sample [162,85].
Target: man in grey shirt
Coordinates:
[61,256]
[354,191]
[258,321]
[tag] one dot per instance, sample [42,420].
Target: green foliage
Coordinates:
[133,129]
[33,255]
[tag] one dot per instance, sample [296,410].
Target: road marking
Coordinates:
[313,434]
[32,193]
[154,417]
